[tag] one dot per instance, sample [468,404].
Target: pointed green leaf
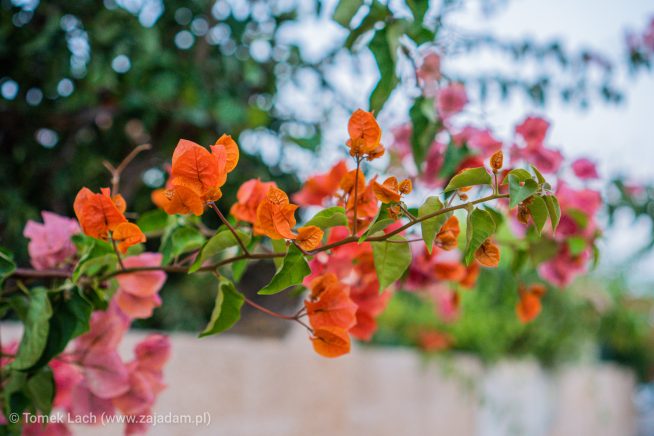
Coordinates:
[181,240]
[226,309]
[345,11]
[36,328]
[539,176]
[40,388]
[469,177]
[384,56]
[431,226]
[71,315]
[418,9]
[330,217]
[391,260]
[538,210]
[279,246]
[554,210]
[222,240]
[294,269]
[154,222]
[519,193]
[425,125]
[519,173]
[480,227]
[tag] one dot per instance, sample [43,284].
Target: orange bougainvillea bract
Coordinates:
[249,196]
[330,304]
[198,174]
[488,254]
[126,235]
[529,306]
[331,341]
[98,214]
[365,135]
[276,216]
[309,238]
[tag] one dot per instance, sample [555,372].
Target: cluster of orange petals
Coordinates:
[391,191]
[332,313]
[365,135]
[529,306]
[101,215]
[249,197]
[275,216]
[197,175]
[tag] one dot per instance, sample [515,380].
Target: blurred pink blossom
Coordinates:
[451,99]
[585,169]
[50,243]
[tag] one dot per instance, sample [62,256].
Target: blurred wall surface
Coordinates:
[239,386]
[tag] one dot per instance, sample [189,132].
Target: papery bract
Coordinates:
[50,243]
[127,235]
[331,341]
[97,213]
[276,216]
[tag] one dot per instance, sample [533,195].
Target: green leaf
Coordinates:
[519,193]
[469,177]
[539,176]
[36,327]
[418,9]
[279,246]
[519,173]
[381,221]
[7,265]
[481,226]
[576,245]
[383,48]
[345,11]
[154,222]
[391,260]
[222,240]
[431,226]
[71,315]
[425,125]
[40,387]
[294,269]
[538,210]
[378,12]
[226,309]
[181,240]
[330,217]
[96,266]
[554,210]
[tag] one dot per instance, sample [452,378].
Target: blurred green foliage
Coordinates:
[584,322]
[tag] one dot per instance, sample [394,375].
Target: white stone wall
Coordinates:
[271,387]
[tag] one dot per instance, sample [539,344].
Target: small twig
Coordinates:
[230,227]
[407,213]
[117,171]
[295,317]
[120,259]
[355,223]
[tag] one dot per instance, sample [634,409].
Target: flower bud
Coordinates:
[497,160]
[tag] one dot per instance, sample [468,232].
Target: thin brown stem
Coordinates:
[117,171]
[120,259]
[407,213]
[230,227]
[355,220]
